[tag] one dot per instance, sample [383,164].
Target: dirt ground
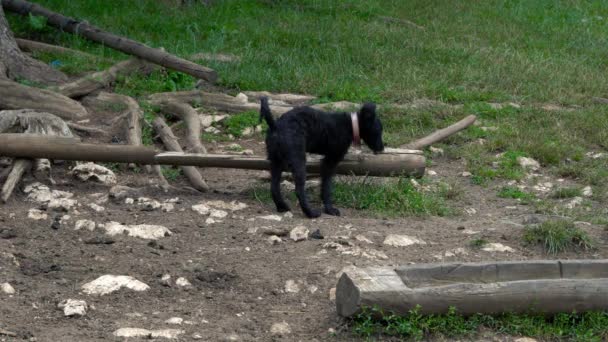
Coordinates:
[238,279]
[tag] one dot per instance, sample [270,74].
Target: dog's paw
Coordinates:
[283,208]
[332,211]
[312,213]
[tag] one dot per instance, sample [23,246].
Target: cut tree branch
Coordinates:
[193,123]
[19,167]
[442,133]
[125,45]
[34,46]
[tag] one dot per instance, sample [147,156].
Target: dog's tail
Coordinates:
[266,114]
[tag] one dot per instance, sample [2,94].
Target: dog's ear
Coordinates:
[368,112]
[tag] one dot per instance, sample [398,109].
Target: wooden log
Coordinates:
[193,123]
[170,141]
[18,96]
[34,46]
[101,79]
[162,181]
[442,133]
[125,45]
[82,128]
[293,99]
[36,146]
[545,286]
[19,167]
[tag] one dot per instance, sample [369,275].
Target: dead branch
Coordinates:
[193,123]
[19,167]
[401,21]
[442,133]
[161,178]
[101,79]
[34,46]
[125,45]
[170,141]
[87,129]
[293,99]
[217,57]
[18,96]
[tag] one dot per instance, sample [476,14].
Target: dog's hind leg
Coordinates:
[298,167]
[328,168]
[275,187]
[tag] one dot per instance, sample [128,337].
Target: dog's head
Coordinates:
[371,127]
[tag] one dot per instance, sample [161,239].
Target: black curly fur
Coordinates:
[305,129]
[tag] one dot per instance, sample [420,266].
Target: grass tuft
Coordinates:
[516,193]
[558,236]
[570,192]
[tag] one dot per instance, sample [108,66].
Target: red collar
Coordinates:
[356,136]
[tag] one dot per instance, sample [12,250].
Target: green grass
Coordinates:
[516,193]
[566,192]
[237,123]
[374,324]
[478,243]
[558,236]
[388,199]
[171,173]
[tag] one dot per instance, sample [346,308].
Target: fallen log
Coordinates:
[101,79]
[193,123]
[442,133]
[18,169]
[293,99]
[18,96]
[35,146]
[125,45]
[170,141]
[87,129]
[34,46]
[545,286]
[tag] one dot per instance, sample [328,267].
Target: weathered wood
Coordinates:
[19,167]
[442,133]
[82,128]
[18,96]
[170,141]
[545,286]
[217,57]
[35,146]
[162,181]
[293,99]
[34,46]
[101,79]
[15,64]
[193,124]
[125,45]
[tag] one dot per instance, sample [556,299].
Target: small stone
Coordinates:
[166,280]
[587,191]
[470,211]
[525,339]
[316,235]
[332,294]
[144,231]
[466,174]
[362,238]
[129,200]
[94,172]
[96,207]
[73,307]
[175,320]
[431,173]
[528,163]
[274,240]
[197,336]
[497,247]
[575,202]
[216,213]
[402,240]
[436,150]
[248,131]
[120,192]
[210,220]
[271,218]
[145,333]
[182,282]
[7,288]
[84,224]
[299,233]
[36,214]
[110,283]
[280,329]
[291,286]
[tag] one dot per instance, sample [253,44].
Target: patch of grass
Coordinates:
[516,193]
[391,198]
[566,192]
[558,236]
[236,124]
[210,137]
[485,168]
[374,323]
[170,173]
[478,243]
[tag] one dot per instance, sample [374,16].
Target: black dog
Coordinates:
[305,129]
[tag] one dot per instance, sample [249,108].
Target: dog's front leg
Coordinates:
[275,187]
[328,168]
[299,173]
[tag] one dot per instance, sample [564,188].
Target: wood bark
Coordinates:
[20,166]
[87,129]
[293,99]
[192,121]
[101,79]
[442,133]
[18,96]
[170,141]
[34,46]
[546,286]
[14,64]
[22,145]
[125,45]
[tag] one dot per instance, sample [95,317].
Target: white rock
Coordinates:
[145,333]
[436,150]
[216,213]
[167,207]
[576,201]
[242,98]
[332,294]
[455,252]
[94,172]
[280,329]
[166,279]
[362,238]
[148,203]
[587,191]
[312,289]
[497,247]
[274,240]
[470,211]
[528,163]
[402,240]
[288,215]
[109,283]
[431,173]
[594,155]
[175,320]
[96,207]
[232,206]
[210,220]
[525,339]
[144,231]
[61,204]
[36,214]
[291,286]
[212,130]
[287,185]
[129,200]
[73,307]
[7,288]
[469,232]
[182,282]
[299,233]
[248,131]
[201,209]
[271,218]
[466,174]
